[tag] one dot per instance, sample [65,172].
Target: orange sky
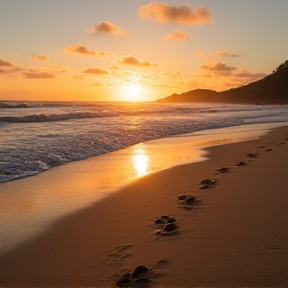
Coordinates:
[140,51]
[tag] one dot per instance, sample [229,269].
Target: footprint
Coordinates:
[208,183]
[252,155]
[167,225]
[268,150]
[241,163]
[188,201]
[139,277]
[223,170]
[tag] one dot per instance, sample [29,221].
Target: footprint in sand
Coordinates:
[142,276]
[167,225]
[139,277]
[222,170]
[208,183]
[241,163]
[252,155]
[188,201]
[268,150]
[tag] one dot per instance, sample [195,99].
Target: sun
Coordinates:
[134,90]
[133,93]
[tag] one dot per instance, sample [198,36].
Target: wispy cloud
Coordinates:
[177,35]
[39,57]
[184,14]
[132,60]
[175,75]
[218,67]
[96,71]
[226,53]
[105,27]
[58,68]
[98,84]
[4,63]
[247,74]
[83,50]
[35,74]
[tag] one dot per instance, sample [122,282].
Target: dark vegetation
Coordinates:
[273,89]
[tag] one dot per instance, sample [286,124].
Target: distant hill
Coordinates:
[273,89]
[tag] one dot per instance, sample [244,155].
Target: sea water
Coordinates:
[36,136]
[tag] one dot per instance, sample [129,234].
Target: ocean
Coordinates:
[36,136]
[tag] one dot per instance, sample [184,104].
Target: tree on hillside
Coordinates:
[281,66]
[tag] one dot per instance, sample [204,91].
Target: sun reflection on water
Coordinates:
[141,161]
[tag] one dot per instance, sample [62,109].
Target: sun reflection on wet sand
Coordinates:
[141,161]
[28,206]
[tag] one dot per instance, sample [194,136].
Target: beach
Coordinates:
[234,235]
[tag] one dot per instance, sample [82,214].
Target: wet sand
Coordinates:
[235,236]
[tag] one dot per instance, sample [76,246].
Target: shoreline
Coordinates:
[30,205]
[217,241]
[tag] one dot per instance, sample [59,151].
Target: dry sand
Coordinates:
[237,236]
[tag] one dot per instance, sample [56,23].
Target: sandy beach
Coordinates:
[234,235]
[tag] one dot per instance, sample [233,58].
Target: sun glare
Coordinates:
[141,162]
[134,90]
[133,93]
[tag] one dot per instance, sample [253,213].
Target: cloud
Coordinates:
[218,67]
[177,35]
[127,73]
[114,67]
[38,75]
[98,84]
[175,75]
[226,53]
[247,74]
[78,77]
[83,50]
[58,68]
[39,57]
[105,27]
[148,77]
[131,60]
[2,71]
[96,71]
[184,14]
[4,63]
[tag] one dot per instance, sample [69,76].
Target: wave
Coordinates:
[101,113]
[6,105]
[51,117]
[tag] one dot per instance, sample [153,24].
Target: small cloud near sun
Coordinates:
[226,53]
[132,60]
[175,75]
[105,27]
[39,57]
[83,50]
[35,74]
[4,63]
[184,14]
[218,67]
[177,35]
[247,74]
[96,71]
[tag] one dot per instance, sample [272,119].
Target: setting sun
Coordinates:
[134,93]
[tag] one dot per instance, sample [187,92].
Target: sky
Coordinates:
[136,50]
